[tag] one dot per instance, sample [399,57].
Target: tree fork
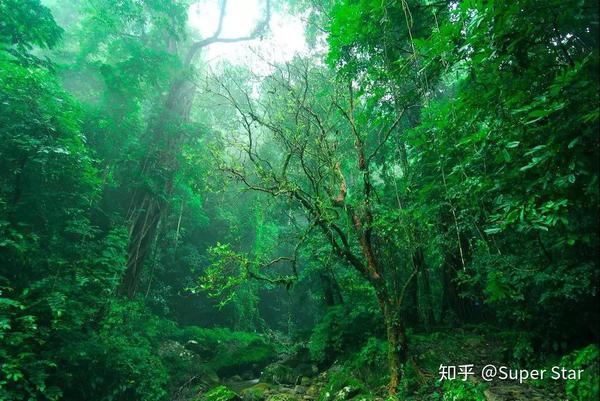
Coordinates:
[149,210]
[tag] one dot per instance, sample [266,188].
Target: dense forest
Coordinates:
[403,200]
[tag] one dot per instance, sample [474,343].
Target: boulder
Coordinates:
[240,356]
[312,391]
[170,349]
[187,367]
[306,369]
[209,376]
[300,356]
[220,393]
[248,375]
[278,373]
[204,351]
[282,397]
[258,392]
[300,390]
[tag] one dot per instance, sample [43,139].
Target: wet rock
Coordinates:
[299,389]
[284,389]
[282,397]
[278,373]
[209,377]
[174,350]
[300,356]
[248,375]
[258,392]
[512,392]
[190,368]
[202,350]
[312,391]
[220,393]
[306,369]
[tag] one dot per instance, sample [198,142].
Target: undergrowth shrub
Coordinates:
[228,352]
[112,363]
[343,330]
[370,364]
[587,387]
[342,385]
[459,390]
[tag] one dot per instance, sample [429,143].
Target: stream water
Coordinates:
[238,386]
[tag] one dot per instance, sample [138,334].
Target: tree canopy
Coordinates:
[415,189]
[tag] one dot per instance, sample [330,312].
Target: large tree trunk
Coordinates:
[148,206]
[144,222]
[397,345]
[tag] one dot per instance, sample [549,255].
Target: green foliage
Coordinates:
[227,272]
[341,385]
[256,392]
[25,24]
[228,352]
[585,359]
[369,364]
[47,284]
[23,372]
[220,393]
[344,328]
[114,365]
[282,397]
[278,373]
[509,142]
[476,195]
[458,390]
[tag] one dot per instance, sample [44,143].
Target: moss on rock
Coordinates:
[228,352]
[220,393]
[278,373]
[258,392]
[282,397]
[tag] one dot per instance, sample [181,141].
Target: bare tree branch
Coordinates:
[259,29]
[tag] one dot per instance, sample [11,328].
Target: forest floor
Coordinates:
[463,347]
[453,347]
